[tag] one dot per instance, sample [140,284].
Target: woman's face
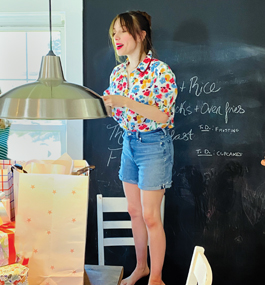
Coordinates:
[124,41]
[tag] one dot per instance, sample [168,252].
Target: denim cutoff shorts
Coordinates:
[147,159]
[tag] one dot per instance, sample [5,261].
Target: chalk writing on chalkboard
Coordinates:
[114,153]
[116,133]
[200,107]
[205,108]
[207,128]
[207,152]
[194,87]
[199,88]
[184,136]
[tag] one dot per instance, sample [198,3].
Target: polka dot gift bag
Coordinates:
[51,218]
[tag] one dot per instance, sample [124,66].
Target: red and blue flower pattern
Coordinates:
[152,83]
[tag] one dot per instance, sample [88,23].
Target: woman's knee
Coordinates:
[134,211]
[151,218]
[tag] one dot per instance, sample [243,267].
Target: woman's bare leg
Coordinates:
[133,195]
[151,201]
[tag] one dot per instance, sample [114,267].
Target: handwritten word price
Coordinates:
[196,88]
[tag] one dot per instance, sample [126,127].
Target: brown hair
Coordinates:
[135,22]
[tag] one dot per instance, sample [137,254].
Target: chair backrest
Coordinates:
[200,271]
[111,205]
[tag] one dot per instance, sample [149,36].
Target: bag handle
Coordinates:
[18,167]
[83,170]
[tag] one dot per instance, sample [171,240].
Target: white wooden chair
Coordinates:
[117,205]
[200,271]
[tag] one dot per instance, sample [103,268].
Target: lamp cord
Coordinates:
[50,19]
[50,12]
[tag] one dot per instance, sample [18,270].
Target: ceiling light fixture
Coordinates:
[51,97]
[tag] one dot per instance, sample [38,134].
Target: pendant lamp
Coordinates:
[51,97]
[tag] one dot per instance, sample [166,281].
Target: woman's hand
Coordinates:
[114,100]
[149,111]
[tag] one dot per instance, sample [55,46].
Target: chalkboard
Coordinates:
[217,200]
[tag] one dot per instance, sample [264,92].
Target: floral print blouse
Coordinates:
[152,83]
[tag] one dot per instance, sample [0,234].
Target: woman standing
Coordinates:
[142,95]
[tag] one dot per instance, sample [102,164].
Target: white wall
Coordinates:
[73,67]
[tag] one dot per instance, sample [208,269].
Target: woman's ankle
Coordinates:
[142,268]
[155,281]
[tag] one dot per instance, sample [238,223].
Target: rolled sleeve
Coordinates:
[165,90]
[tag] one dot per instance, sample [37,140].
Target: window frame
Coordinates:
[19,22]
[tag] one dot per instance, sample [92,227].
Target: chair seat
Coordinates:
[102,275]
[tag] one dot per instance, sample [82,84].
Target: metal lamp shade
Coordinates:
[51,97]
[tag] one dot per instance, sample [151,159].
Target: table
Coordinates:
[102,275]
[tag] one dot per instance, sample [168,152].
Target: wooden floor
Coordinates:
[103,275]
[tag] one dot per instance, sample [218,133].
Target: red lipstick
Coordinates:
[119,46]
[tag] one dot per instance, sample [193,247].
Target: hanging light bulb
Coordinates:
[51,97]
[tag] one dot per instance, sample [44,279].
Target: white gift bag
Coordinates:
[51,218]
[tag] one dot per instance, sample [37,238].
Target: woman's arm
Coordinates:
[150,112]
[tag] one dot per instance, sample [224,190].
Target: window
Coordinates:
[36,139]
[21,51]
